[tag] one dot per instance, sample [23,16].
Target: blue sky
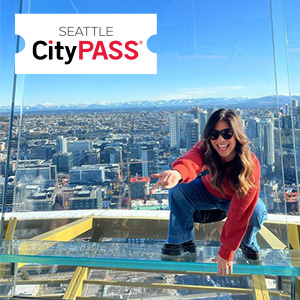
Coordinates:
[207,48]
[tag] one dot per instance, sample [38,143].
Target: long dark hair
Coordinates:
[240,175]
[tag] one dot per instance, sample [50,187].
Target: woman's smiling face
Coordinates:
[224,147]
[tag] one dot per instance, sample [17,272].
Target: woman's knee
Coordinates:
[259,215]
[179,193]
[175,193]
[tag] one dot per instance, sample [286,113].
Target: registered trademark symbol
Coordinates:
[141,42]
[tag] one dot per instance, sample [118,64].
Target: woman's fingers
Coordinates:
[230,269]
[157,184]
[155,175]
[224,266]
[160,177]
[166,179]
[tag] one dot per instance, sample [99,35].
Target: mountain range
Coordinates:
[260,102]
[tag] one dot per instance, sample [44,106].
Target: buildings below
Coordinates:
[105,160]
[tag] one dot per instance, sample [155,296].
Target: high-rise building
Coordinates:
[79,158]
[267,141]
[192,133]
[185,118]
[63,161]
[195,112]
[86,199]
[252,128]
[134,150]
[287,109]
[286,122]
[174,128]
[61,144]
[294,104]
[93,157]
[135,167]
[36,174]
[79,146]
[41,152]
[87,175]
[139,187]
[203,117]
[112,154]
[210,111]
[149,157]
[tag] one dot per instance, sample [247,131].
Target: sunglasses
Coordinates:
[226,134]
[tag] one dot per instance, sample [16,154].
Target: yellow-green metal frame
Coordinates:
[294,236]
[76,285]
[260,287]
[62,234]
[9,235]
[80,226]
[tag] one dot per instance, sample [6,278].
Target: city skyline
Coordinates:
[207,49]
[64,156]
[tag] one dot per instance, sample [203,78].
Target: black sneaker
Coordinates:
[183,252]
[249,253]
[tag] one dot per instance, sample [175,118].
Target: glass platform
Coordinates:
[143,256]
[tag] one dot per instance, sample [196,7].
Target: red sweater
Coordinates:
[240,209]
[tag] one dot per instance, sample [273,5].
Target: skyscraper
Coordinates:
[174,127]
[93,157]
[267,141]
[294,103]
[203,117]
[79,146]
[192,133]
[63,161]
[252,128]
[185,118]
[111,154]
[61,144]
[287,110]
[195,112]
[149,156]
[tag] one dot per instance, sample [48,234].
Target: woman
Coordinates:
[230,181]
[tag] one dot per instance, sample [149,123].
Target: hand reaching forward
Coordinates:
[224,266]
[166,179]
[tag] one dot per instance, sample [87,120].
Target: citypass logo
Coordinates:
[86,44]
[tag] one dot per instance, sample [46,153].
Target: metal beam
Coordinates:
[166,271]
[37,281]
[272,240]
[260,287]
[10,231]
[179,287]
[259,281]
[62,234]
[11,227]
[67,232]
[294,236]
[171,286]
[76,285]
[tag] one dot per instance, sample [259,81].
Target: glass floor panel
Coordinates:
[143,256]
